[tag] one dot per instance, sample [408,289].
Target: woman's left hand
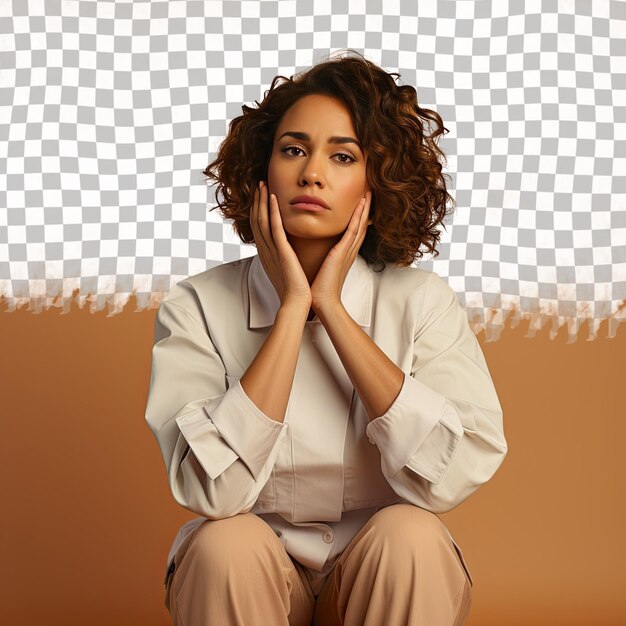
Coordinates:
[327,286]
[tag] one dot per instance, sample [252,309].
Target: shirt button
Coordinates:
[328,537]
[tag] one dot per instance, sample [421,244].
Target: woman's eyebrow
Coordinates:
[334,139]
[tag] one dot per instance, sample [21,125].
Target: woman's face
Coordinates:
[306,160]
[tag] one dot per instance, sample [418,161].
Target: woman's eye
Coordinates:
[347,159]
[290,148]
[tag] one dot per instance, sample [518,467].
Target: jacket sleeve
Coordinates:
[442,437]
[218,446]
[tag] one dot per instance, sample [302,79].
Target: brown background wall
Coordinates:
[88,517]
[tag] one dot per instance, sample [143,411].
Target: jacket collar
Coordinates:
[356,294]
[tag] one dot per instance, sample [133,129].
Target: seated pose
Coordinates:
[319,403]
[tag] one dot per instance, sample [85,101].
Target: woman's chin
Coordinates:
[294,229]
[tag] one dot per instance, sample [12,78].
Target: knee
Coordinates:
[231,539]
[408,519]
[405,527]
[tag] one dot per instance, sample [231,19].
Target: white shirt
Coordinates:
[317,477]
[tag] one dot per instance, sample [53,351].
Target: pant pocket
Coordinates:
[178,557]
[168,574]
[462,559]
[168,583]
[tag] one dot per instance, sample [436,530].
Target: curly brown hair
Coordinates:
[409,195]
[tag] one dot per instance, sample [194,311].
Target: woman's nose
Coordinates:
[311,173]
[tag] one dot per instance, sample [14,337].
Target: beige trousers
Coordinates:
[401,569]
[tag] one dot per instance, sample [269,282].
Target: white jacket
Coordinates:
[317,477]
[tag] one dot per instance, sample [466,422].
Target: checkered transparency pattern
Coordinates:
[111,110]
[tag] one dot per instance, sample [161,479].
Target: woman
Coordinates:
[316,413]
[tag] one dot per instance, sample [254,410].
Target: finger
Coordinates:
[365,214]
[356,223]
[360,227]
[262,219]
[278,231]
[366,211]
[346,244]
[253,215]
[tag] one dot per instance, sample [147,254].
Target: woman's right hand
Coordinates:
[279,259]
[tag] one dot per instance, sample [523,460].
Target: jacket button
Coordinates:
[328,537]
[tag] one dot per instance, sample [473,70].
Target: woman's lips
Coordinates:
[308,206]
